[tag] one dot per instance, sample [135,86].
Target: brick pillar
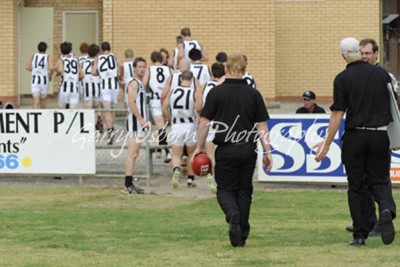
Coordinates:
[9,51]
[108,21]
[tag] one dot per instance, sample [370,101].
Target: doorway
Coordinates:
[79,27]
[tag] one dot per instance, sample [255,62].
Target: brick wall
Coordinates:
[292,45]
[9,51]
[227,25]
[307,42]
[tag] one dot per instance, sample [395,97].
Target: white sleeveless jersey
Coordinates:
[132,123]
[70,75]
[175,81]
[157,81]
[90,84]
[40,69]
[189,45]
[82,58]
[182,105]
[208,87]
[108,71]
[201,72]
[175,62]
[129,72]
[249,79]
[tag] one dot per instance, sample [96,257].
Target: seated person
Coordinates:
[309,104]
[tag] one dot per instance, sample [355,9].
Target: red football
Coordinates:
[201,164]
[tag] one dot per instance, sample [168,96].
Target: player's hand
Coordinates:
[145,124]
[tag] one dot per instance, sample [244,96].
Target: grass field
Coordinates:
[97,226]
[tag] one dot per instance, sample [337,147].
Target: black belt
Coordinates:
[234,144]
[381,128]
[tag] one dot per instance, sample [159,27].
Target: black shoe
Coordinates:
[358,242]
[132,190]
[349,228]
[376,231]
[235,234]
[388,231]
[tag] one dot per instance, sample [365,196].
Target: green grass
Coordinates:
[96,226]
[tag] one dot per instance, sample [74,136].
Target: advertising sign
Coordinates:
[45,141]
[292,139]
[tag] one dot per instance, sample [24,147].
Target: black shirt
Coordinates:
[361,91]
[235,107]
[317,109]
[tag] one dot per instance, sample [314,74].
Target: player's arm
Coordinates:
[181,50]
[171,59]
[51,67]
[146,76]
[166,90]
[120,69]
[166,111]
[59,67]
[204,54]
[80,69]
[95,64]
[28,65]
[133,88]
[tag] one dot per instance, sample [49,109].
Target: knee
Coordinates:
[134,155]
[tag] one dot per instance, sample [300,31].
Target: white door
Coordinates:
[36,25]
[79,27]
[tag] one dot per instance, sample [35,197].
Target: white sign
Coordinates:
[292,139]
[42,142]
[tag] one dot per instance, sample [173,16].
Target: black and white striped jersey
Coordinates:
[40,69]
[70,75]
[201,72]
[108,71]
[182,105]
[90,84]
[129,72]
[189,45]
[158,79]
[249,79]
[175,81]
[132,123]
[207,88]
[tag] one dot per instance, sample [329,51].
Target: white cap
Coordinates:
[349,45]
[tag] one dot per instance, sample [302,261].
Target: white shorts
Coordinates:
[155,107]
[40,90]
[68,98]
[109,95]
[156,112]
[183,134]
[140,135]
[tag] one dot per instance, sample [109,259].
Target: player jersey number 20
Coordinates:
[107,63]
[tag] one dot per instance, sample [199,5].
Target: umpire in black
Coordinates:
[240,116]
[361,90]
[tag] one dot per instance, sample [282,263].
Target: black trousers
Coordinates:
[366,157]
[234,168]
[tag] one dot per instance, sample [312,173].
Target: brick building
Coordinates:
[291,45]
